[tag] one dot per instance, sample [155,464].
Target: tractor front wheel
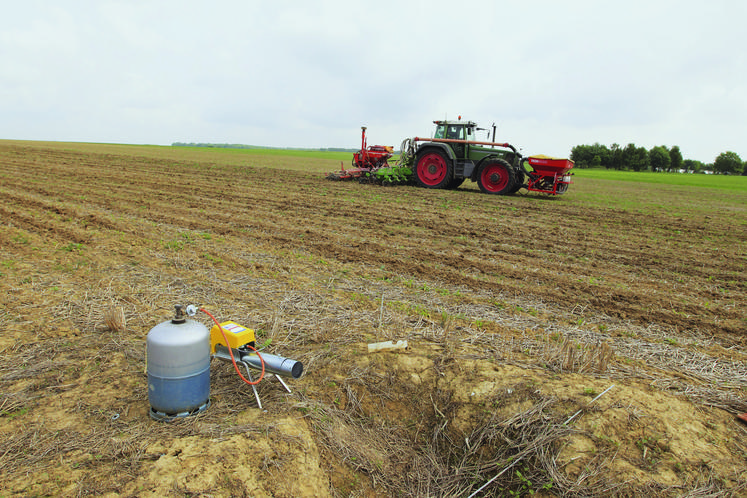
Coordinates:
[496,177]
[433,170]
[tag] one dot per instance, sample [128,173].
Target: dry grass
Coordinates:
[572,357]
[517,453]
[115,319]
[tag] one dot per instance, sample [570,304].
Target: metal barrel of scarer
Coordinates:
[178,356]
[274,364]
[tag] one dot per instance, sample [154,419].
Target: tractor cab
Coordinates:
[456,130]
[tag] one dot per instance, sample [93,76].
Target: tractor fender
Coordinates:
[434,146]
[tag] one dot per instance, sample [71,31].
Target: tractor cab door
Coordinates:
[456,131]
[470,137]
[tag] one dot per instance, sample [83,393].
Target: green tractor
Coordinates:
[454,155]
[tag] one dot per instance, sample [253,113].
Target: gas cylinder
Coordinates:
[178,356]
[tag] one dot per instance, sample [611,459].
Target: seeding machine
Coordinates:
[452,156]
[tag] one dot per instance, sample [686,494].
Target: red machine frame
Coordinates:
[366,160]
[550,175]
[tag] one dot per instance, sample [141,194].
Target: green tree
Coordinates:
[605,155]
[693,166]
[675,159]
[728,163]
[580,155]
[615,156]
[640,159]
[585,156]
[628,156]
[659,158]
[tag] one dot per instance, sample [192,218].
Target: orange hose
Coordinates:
[230,351]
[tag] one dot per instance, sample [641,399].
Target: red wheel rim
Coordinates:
[432,169]
[494,177]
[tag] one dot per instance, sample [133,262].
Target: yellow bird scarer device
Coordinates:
[179,354]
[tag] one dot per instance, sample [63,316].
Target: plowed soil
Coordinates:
[519,312]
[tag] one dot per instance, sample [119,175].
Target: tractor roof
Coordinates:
[449,123]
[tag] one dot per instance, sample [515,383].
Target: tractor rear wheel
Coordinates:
[433,170]
[518,182]
[496,177]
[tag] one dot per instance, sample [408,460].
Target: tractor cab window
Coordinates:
[439,131]
[470,133]
[455,132]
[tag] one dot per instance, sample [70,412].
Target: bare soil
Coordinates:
[572,346]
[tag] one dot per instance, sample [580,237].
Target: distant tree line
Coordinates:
[244,146]
[658,158]
[216,146]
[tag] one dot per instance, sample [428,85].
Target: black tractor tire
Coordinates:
[518,182]
[433,170]
[496,176]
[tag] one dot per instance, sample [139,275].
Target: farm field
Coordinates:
[593,344]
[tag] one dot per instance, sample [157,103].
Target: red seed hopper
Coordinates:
[365,161]
[549,174]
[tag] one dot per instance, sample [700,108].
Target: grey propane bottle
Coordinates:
[178,359]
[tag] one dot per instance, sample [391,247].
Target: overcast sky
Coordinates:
[550,74]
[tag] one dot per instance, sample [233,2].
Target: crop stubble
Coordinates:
[645,267]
